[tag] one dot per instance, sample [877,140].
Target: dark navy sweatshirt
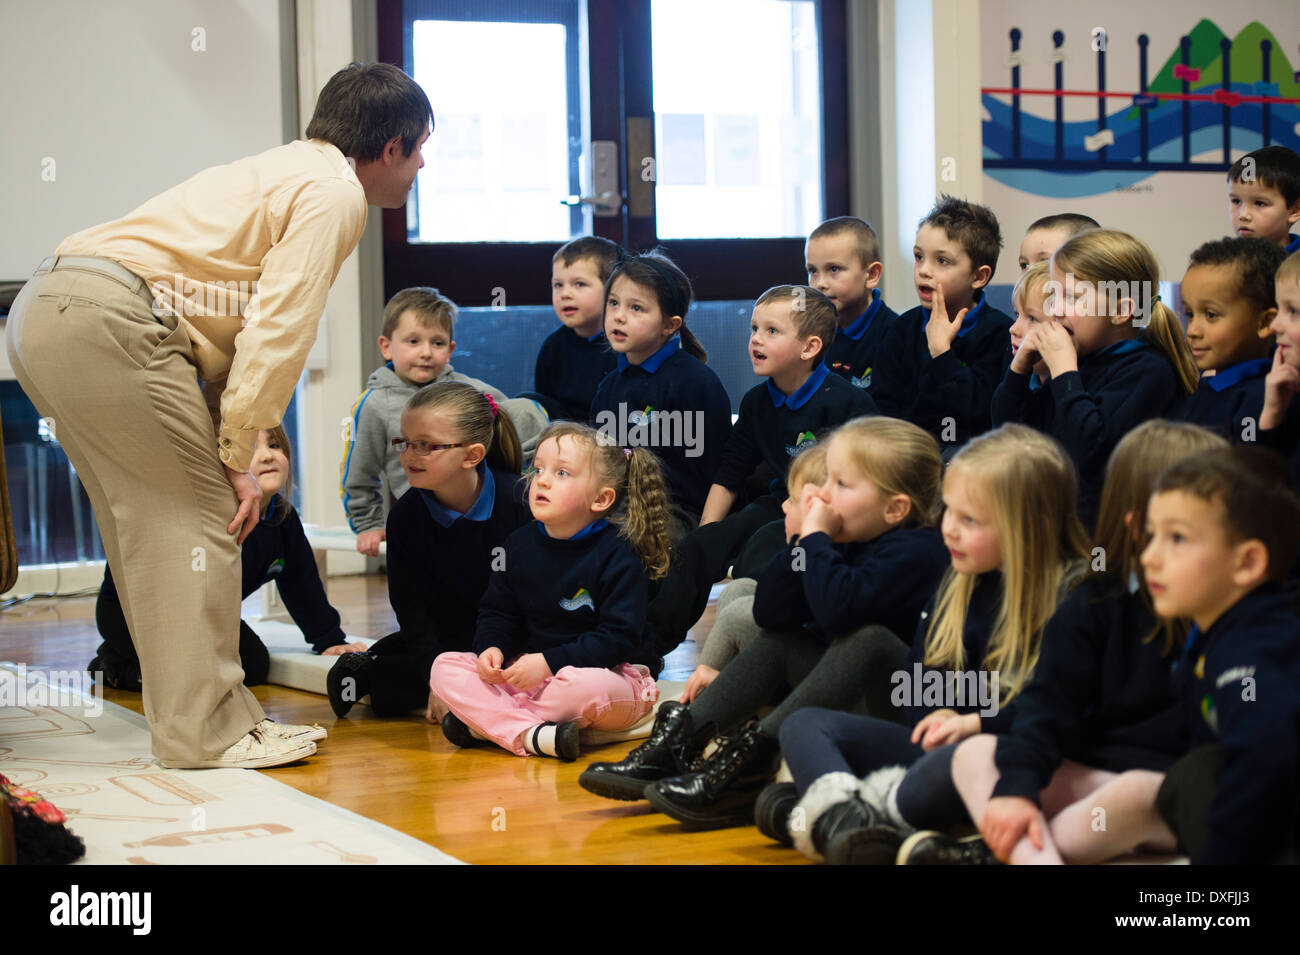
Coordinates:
[856,349]
[649,405]
[954,388]
[914,695]
[1101,694]
[1224,402]
[1285,440]
[773,427]
[832,589]
[1090,410]
[569,370]
[439,563]
[1240,686]
[579,602]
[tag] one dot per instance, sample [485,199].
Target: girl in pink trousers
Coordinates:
[562,641]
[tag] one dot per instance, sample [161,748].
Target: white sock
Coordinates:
[540,740]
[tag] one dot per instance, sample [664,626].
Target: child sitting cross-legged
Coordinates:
[561,641]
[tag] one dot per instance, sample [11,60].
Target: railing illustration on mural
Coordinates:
[1212,95]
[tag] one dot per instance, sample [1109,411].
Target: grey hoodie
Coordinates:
[376,419]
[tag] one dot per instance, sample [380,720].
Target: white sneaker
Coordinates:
[257,750]
[292,730]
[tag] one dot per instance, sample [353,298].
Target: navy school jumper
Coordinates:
[1115,389]
[856,350]
[645,405]
[949,395]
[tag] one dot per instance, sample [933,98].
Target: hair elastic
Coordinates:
[627,452]
[491,404]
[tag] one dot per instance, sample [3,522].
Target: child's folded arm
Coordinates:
[1049,710]
[500,621]
[779,601]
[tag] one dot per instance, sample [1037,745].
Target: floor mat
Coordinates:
[91,758]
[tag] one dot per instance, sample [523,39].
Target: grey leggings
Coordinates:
[852,672]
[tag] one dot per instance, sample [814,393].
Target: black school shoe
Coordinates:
[673,747]
[934,848]
[772,812]
[348,681]
[457,733]
[723,792]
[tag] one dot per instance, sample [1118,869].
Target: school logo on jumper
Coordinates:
[946,689]
[864,381]
[801,444]
[276,567]
[579,600]
[649,428]
[1209,713]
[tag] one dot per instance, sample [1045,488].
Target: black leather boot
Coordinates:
[722,793]
[855,833]
[772,811]
[674,744]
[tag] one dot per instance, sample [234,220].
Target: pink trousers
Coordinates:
[607,699]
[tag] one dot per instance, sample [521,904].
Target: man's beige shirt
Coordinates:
[245,255]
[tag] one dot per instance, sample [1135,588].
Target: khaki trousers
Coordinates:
[121,391]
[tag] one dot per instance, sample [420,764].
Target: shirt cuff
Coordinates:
[235,446]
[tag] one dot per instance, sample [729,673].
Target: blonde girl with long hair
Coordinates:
[1116,355]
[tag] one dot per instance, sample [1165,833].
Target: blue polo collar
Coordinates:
[479,511]
[863,321]
[598,335]
[1294,244]
[801,395]
[1227,377]
[270,508]
[968,322]
[651,364]
[595,527]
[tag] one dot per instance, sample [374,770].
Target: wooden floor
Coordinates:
[481,806]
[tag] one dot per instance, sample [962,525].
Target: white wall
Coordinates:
[929,58]
[106,104]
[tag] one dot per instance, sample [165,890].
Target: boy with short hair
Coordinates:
[1224,529]
[1228,300]
[843,261]
[575,358]
[1264,196]
[778,419]
[1044,236]
[417,341]
[940,374]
